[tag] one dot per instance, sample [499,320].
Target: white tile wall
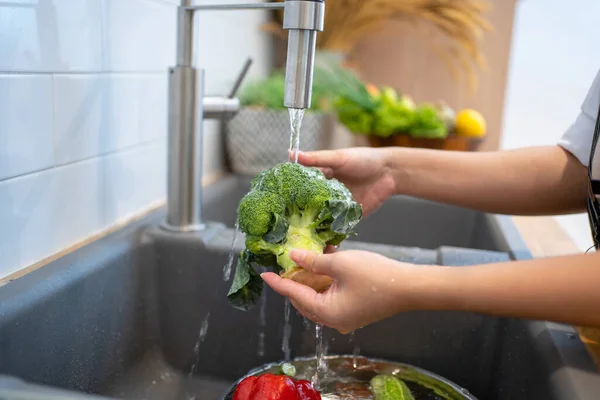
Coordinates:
[142,35]
[83,112]
[51,35]
[26,121]
[100,114]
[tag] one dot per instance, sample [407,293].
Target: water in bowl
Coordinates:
[348,377]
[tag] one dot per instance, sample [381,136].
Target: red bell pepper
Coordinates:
[281,386]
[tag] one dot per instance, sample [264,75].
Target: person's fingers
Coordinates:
[328,172]
[324,158]
[320,264]
[301,294]
[344,330]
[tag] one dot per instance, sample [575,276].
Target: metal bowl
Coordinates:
[347,377]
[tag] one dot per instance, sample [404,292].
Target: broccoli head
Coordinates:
[289,206]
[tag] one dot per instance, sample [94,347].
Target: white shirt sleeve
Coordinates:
[577,140]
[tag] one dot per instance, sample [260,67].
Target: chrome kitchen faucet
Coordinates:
[188,106]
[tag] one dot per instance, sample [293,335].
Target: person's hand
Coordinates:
[365,171]
[366,288]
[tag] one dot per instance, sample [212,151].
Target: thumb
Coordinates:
[320,264]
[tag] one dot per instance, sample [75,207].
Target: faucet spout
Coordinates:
[303,19]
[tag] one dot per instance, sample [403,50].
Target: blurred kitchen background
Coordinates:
[83,99]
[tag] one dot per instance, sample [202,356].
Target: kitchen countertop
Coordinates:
[546,238]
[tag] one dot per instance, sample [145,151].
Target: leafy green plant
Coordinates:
[428,123]
[367,110]
[264,93]
[268,93]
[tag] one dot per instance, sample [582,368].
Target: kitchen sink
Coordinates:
[142,314]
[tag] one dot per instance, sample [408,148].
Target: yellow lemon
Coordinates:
[470,123]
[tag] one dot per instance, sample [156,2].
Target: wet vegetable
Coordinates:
[388,387]
[280,386]
[289,206]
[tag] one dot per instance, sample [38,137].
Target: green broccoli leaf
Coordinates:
[247,285]
[279,230]
[267,260]
[346,214]
[340,217]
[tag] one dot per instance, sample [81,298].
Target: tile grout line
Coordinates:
[125,150]
[54,130]
[87,72]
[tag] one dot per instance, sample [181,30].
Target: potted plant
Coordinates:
[258,137]
[387,118]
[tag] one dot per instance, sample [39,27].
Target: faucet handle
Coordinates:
[225,107]
[240,78]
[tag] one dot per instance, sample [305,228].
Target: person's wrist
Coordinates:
[432,288]
[395,163]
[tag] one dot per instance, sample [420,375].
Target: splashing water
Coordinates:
[296,116]
[355,350]
[321,366]
[263,322]
[306,323]
[261,344]
[227,268]
[287,332]
[201,337]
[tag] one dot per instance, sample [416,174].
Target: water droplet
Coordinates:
[321,365]
[201,337]
[287,331]
[154,382]
[263,306]
[306,323]
[228,267]
[393,280]
[261,344]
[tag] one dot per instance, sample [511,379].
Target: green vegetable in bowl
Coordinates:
[354,117]
[428,123]
[389,387]
[393,115]
[289,206]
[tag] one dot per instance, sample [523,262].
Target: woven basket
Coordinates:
[451,143]
[257,139]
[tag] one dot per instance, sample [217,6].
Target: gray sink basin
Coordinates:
[142,314]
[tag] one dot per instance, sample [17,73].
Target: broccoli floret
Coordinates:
[289,206]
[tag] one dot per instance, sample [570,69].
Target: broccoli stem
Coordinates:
[299,237]
[302,218]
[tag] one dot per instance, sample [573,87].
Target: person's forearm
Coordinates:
[531,181]
[559,289]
